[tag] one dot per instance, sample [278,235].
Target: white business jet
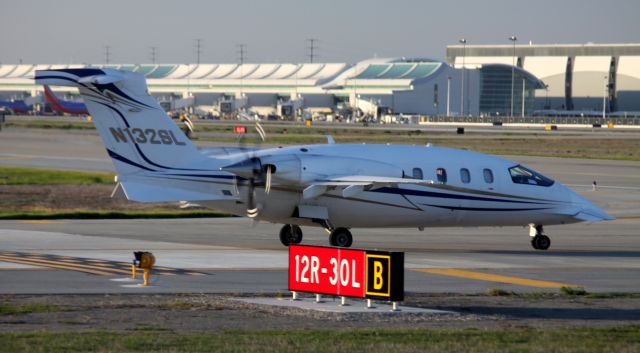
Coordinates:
[334,186]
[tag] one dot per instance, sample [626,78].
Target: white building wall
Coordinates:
[550,69]
[628,83]
[588,75]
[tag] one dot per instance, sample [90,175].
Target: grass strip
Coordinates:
[37,176]
[8,309]
[50,124]
[28,215]
[623,339]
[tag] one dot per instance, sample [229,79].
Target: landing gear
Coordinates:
[539,241]
[290,234]
[341,237]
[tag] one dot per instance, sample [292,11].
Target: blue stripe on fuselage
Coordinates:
[411,192]
[486,208]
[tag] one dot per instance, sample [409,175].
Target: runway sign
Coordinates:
[346,272]
[240,130]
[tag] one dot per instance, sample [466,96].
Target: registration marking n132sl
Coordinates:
[151,136]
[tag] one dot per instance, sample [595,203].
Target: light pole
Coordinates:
[604,98]
[523,89]
[448,93]
[513,70]
[463,41]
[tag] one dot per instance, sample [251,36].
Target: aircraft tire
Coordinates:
[341,237]
[290,234]
[541,242]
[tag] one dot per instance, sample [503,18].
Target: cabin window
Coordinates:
[523,175]
[441,175]
[465,176]
[488,176]
[417,173]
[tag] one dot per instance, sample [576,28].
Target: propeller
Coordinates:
[254,172]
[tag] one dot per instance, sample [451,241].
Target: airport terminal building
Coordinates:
[375,87]
[577,77]
[477,80]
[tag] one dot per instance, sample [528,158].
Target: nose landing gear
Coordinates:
[539,241]
[341,237]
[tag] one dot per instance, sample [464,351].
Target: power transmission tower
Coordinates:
[242,52]
[312,49]
[198,50]
[153,55]
[107,54]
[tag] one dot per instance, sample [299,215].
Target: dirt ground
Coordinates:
[69,197]
[206,312]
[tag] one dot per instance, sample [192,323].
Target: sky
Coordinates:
[77,31]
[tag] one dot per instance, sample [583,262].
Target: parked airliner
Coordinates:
[334,186]
[62,106]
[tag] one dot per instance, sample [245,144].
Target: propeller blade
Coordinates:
[260,130]
[252,212]
[267,182]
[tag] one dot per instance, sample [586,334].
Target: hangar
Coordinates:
[578,77]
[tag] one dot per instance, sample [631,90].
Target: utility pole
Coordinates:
[242,51]
[107,54]
[448,94]
[153,55]
[463,41]
[312,49]
[604,97]
[198,50]
[523,90]
[513,70]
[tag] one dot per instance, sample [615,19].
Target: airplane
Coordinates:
[335,186]
[18,107]
[62,106]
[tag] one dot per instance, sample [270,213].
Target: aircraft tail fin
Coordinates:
[51,98]
[136,131]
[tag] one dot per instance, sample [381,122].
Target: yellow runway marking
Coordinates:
[58,266]
[95,266]
[78,267]
[494,278]
[41,221]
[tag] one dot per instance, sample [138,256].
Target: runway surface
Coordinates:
[237,258]
[228,255]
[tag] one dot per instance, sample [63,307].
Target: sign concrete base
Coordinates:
[332,305]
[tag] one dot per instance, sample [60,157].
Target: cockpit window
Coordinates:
[522,175]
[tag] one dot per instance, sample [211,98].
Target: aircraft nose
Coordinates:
[588,211]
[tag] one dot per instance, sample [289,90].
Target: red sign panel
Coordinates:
[239,129]
[325,270]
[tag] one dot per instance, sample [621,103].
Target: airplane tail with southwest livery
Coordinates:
[154,159]
[59,105]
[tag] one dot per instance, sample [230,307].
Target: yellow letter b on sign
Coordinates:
[378,275]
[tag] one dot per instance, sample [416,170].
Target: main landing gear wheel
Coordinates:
[541,242]
[341,237]
[290,234]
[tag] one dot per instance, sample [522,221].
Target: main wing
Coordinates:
[355,184]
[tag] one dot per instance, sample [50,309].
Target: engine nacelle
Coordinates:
[306,169]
